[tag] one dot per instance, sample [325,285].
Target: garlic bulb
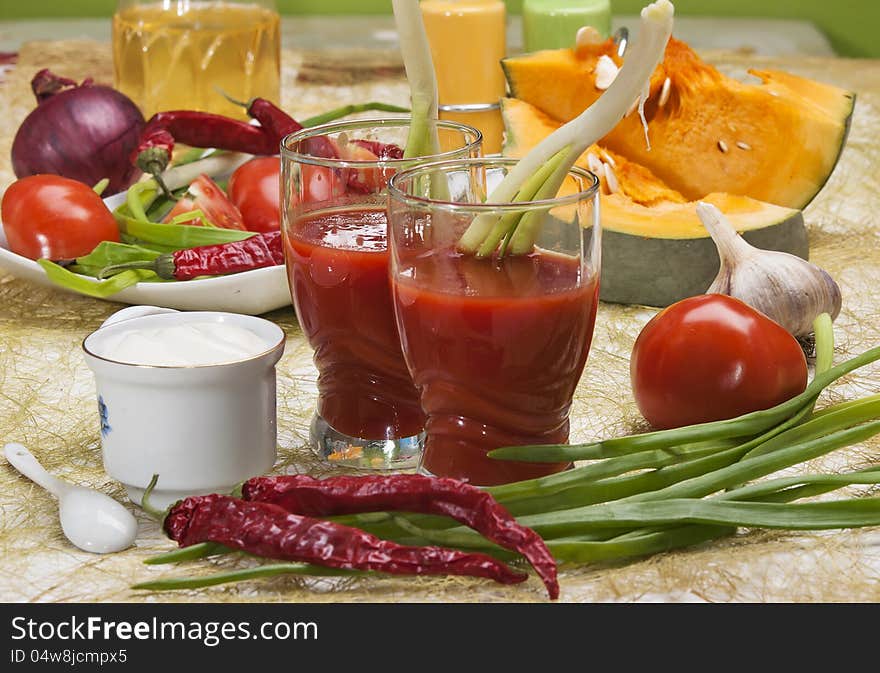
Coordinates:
[784,287]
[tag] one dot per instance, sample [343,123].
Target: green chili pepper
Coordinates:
[81,284]
[134,202]
[178,236]
[110,252]
[146,245]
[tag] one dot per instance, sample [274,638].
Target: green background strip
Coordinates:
[851,25]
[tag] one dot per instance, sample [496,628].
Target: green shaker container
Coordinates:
[553,24]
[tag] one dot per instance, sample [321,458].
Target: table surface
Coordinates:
[47,393]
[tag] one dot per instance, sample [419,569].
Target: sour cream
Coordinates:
[182,344]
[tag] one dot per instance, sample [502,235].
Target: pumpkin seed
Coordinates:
[595,164]
[608,159]
[586,36]
[611,179]
[606,72]
[664,92]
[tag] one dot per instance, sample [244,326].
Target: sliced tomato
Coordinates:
[319,183]
[322,183]
[183,206]
[381,150]
[204,194]
[364,180]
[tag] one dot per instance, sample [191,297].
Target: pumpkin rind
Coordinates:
[655,271]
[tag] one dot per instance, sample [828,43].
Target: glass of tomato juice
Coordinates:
[334,198]
[496,344]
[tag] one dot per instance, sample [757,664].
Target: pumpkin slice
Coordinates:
[571,75]
[776,141]
[655,249]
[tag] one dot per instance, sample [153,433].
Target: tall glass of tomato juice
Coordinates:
[496,344]
[334,198]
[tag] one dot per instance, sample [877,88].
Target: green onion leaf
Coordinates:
[346,110]
[271,570]
[190,553]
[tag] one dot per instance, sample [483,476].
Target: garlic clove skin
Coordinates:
[784,287]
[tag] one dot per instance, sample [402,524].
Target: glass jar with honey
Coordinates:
[185,54]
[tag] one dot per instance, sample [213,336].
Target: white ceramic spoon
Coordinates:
[92,521]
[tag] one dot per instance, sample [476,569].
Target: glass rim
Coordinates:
[385,122]
[396,193]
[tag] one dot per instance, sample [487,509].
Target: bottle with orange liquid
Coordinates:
[467,40]
[179,54]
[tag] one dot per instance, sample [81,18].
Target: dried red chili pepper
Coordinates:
[467,504]
[211,260]
[153,151]
[272,118]
[270,531]
[197,129]
[279,124]
[203,129]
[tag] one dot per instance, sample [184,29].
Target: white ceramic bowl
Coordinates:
[249,292]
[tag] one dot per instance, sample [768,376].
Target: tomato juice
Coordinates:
[496,350]
[337,265]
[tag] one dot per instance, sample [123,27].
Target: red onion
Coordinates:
[85,133]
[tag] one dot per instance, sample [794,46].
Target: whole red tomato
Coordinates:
[54,217]
[255,188]
[712,357]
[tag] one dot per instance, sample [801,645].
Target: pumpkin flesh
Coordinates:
[776,141]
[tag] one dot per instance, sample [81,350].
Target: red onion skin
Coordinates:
[85,133]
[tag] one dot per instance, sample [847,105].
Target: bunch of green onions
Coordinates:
[541,173]
[648,493]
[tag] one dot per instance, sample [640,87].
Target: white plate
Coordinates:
[248,292]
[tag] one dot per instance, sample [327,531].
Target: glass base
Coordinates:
[340,449]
